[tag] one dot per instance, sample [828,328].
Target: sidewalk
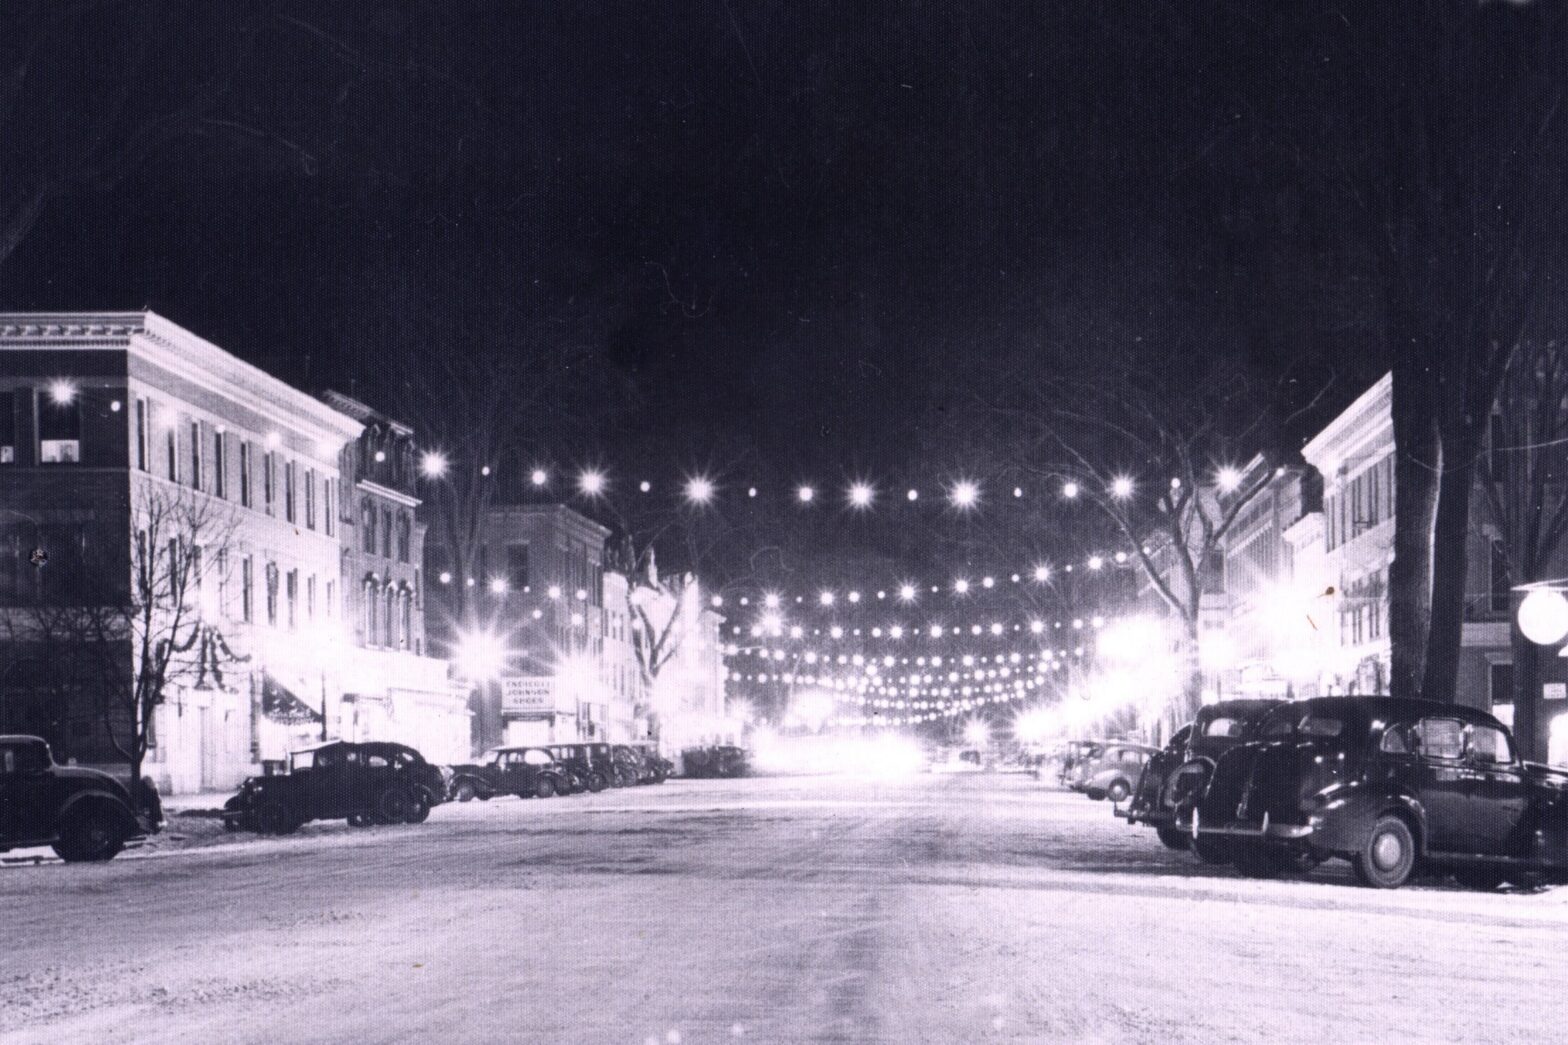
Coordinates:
[201,801]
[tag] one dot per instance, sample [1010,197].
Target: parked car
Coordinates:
[527,772]
[1389,785]
[1073,756]
[721,760]
[591,764]
[85,815]
[370,783]
[661,768]
[639,764]
[1113,774]
[1175,778]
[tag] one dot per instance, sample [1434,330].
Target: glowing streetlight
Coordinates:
[965,494]
[645,486]
[699,489]
[1096,562]
[1228,479]
[913,495]
[771,600]
[539,477]
[498,585]
[433,464]
[806,494]
[1070,490]
[961,586]
[481,656]
[717,601]
[854,596]
[861,495]
[1121,487]
[591,482]
[554,591]
[826,598]
[1042,573]
[62,392]
[906,593]
[977,733]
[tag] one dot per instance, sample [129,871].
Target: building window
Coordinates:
[170,441]
[407,622]
[389,638]
[288,491]
[223,582]
[368,616]
[367,520]
[517,566]
[1501,578]
[7,427]
[272,594]
[245,474]
[268,480]
[310,498]
[142,449]
[1501,679]
[402,537]
[327,486]
[195,455]
[331,599]
[220,465]
[247,590]
[386,533]
[291,593]
[60,431]
[310,597]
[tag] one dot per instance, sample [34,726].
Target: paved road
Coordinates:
[808,910]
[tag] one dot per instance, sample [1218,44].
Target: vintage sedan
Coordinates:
[1391,786]
[83,814]
[527,772]
[1113,773]
[370,783]
[1175,778]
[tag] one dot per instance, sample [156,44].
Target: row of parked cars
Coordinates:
[385,783]
[1394,786]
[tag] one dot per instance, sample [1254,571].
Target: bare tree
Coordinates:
[1524,487]
[133,622]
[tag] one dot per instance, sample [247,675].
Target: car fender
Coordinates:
[1352,808]
[95,796]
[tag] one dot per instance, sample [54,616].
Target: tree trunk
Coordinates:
[1189,656]
[1417,466]
[1450,533]
[1527,691]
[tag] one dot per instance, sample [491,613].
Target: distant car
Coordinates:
[1073,757]
[1113,774]
[591,763]
[85,815]
[527,772]
[368,783]
[639,764]
[1389,785]
[1175,778]
[721,760]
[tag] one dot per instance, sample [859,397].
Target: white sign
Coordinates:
[533,694]
[1554,691]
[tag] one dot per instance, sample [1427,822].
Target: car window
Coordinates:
[1320,726]
[1279,726]
[377,761]
[1441,738]
[1396,741]
[1224,727]
[1490,744]
[7,760]
[537,758]
[303,759]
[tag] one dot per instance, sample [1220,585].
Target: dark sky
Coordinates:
[785,223]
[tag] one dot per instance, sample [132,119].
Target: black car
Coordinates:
[722,760]
[527,772]
[369,783]
[83,814]
[1390,785]
[1175,778]
[630,766]
[653,768]
[591,764]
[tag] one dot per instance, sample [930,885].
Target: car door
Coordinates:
[1499,792]
[10,794]
[1442,782]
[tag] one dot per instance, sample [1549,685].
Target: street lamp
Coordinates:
[965,494]
[861,495]
[1543,616]
[480,656]
[433,464]
[699,489]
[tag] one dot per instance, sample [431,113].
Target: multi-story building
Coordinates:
[105,420]
[394,690]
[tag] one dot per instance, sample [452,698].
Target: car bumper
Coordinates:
[1264,829]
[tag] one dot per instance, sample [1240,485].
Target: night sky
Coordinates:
[802,236]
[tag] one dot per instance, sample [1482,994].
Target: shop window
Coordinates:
[59,430]
[1500,679]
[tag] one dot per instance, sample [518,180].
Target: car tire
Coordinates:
[92,835]
[544,787]
[1387,858]
[1173,837]
[1209,849]
[1480,877]
[1118,791]
[275,818]
[418,808]
[596,782]
[394,805]
[465,791]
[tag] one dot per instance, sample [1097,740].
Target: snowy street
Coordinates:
[966,908]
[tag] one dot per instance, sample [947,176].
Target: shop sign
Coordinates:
[528,695]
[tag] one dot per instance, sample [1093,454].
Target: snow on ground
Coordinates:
[940,909]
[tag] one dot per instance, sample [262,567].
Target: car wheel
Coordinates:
[596,782]
[1210,850]
[275,818]
[395,805]
[1480,877]
[1118,791]
[1173,837]
[465,792]
[544,787]
[1388,856]
[90,836]
[418,808]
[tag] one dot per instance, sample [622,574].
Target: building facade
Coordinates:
[106,421]
[395,690]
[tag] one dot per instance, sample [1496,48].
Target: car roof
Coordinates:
[1391,708]
[1240,708]
[20,738]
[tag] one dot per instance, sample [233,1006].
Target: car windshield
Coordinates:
[1224,726]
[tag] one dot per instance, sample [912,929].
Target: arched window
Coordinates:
[407,617]
[370,623]
[389,640]
[367,523]
[402,537]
